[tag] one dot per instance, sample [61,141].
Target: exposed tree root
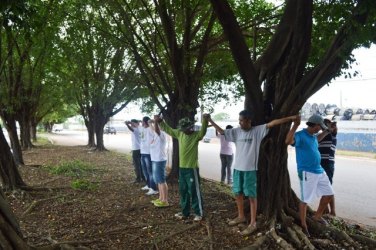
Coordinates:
[67,245]
[33,166]
[257,244]
[209,228]
[28,188]
[34,203]
[331,232]
[49,181]
[280,241]
[364,240]
[170,236]
[295,233]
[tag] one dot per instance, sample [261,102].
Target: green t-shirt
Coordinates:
[188,144]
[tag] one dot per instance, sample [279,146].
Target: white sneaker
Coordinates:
[151,192]
[197,218]
[145,188]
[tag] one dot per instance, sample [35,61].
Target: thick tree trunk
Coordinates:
[99,120]
[10,125]
[273,177]
[10,233]
[33,131]
[48,126]
[174,174]
[25,134]
[99,134]
[10,177]
[90,133]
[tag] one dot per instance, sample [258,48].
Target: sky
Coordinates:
[358,92]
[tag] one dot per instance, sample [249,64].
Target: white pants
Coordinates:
[313,186]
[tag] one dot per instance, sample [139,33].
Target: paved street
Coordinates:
[354,179]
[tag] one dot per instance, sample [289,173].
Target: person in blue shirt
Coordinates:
[314,182]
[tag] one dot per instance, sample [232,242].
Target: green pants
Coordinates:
[189,190]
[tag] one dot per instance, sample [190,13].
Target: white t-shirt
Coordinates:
[247,144]
[136,138]
[226,146]
[145,138]
[158,144]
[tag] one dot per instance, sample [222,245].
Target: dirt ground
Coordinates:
[113,212]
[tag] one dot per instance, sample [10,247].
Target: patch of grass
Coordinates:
[356,154]
[42,140]
[83,184]
[72,168]
[125,156]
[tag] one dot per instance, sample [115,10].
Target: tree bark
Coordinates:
[9,174]
[282,68]
[91,134]
[25,132]
[10,233]
[10,125]
[100,121]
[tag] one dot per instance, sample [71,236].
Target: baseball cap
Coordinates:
[185,123]
[135,121]
[329,121]
[317,119]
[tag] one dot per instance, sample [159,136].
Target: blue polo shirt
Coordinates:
[307,153]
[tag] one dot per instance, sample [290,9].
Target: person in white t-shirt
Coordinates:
[145,135]
[247,139]
[133,126]
[226,155]
[158,154]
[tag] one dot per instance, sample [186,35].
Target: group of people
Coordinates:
[247,139]
[149,157]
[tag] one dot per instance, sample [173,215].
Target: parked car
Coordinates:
[109,130]
[57,128]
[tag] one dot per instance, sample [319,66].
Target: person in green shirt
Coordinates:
[189,178]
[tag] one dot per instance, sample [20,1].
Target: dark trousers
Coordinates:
[329,169]
[189,191]
[226,161]
[136,157]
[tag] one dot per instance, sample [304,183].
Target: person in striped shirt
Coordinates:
[327,148]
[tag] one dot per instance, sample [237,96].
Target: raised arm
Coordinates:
[323,134]
[205,118]
[128,123]
[215,125]
[165,127]
[290,135]
[156,125]
[281,121]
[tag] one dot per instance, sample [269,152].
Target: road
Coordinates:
[354,180]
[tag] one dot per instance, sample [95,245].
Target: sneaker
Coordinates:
[197,218]
[249,230]
[180,216]
[145,188]
[161,204]
[156,200]
[151,192]
[236,221]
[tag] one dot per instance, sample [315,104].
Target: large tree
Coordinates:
[311,45]
[170,42]
[27,44]
[103,76]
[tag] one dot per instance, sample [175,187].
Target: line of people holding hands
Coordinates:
[247,139]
